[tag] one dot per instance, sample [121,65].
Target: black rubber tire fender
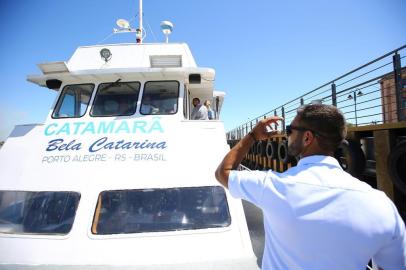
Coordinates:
[397,166]
[351,157]
[261,148]
[283,151]
[271,150]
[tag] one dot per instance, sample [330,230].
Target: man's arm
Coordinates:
[237,153]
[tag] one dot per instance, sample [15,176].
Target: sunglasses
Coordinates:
[290,128]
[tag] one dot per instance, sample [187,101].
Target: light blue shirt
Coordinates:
[318,217]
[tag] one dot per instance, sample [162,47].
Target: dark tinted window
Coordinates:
[116,99]
[73,101]
[37,212]
[156,210]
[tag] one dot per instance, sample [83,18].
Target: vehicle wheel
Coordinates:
[397,166]
[351,158]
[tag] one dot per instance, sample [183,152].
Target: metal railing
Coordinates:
[374,93]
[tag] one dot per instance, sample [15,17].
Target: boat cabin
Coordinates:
[129,80]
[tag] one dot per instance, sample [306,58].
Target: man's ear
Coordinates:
[308,137]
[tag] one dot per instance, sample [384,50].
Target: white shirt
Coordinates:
[317,216]
[148,109]
[199,113]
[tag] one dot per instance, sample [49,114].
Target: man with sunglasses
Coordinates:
[316,216]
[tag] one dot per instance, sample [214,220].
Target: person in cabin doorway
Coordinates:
[199,112]
[316,216]
[210,113]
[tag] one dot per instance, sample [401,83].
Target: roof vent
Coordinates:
[165,61]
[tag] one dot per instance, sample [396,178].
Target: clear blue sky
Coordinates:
[265,52]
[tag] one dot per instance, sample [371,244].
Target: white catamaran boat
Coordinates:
[119,176]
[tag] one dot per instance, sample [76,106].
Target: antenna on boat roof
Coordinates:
[139,30]
[123,24]
[124,27]
[166,27]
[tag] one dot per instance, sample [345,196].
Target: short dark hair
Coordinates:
[327,122]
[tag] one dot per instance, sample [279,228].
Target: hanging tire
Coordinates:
[271,150]
[283,152]
[351,157]
[261,148]
[397,166]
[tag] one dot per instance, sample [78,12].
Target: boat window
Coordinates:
[73,101]
[160,97]
[158,210]
[116,99]
[24,212]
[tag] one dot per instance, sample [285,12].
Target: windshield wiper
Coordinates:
[116,83]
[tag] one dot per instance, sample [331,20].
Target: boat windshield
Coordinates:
[24,212]
[116,99]
[158,210]
[73,101]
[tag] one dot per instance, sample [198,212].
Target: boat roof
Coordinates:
[128,62]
